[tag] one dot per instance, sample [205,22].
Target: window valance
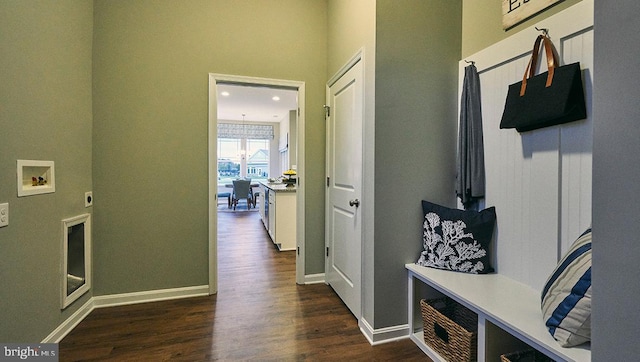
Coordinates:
[249,131]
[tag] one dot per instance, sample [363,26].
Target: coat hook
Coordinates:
[470,62]
[544,31]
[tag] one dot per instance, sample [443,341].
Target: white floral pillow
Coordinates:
[457,240]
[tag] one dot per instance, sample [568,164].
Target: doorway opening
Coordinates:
[246,125]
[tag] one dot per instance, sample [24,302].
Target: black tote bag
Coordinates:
[550,98]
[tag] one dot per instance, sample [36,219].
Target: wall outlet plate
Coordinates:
[88,199]
[4,214]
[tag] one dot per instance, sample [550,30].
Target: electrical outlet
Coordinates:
[4,214]
[88,199]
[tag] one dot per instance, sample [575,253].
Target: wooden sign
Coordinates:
[515,11]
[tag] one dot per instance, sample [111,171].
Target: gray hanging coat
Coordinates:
[470,178]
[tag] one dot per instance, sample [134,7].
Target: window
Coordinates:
[243,151]
[257,159]
[240,157]
[229,159]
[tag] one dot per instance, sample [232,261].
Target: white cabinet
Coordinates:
[278,212]
[271,222]
[261,204]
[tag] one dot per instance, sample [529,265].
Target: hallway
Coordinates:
[259,313]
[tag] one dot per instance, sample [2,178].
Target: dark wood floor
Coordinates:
[259,313]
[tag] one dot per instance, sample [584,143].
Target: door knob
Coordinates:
[355,203]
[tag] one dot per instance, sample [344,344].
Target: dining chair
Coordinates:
[222,195]
[241,191]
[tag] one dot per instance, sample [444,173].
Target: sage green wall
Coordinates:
[482,23]
[151,65]
[616,170]
[418,46]
[45,114]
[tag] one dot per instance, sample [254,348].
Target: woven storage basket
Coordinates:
[450,329]
[530,355]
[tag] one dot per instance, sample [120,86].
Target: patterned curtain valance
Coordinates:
[249,131]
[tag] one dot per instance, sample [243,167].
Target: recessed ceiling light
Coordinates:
[276,98]
[224,94]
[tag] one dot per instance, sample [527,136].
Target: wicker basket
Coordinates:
[450,329]
[529,355]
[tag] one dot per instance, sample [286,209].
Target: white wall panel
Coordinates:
[576,148]
[539,181]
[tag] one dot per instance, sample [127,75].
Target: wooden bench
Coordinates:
[509,316]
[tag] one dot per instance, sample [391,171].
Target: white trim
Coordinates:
[300,188]
[301,227]
[213,185]
[114,300]
[383,335]
[70,323]
[314,278]
[345,68]
[67,299]
[35,168]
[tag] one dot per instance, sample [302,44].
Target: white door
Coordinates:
[344,186]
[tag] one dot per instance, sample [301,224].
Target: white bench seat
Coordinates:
[511,306]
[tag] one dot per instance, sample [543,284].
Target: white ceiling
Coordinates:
[255,102]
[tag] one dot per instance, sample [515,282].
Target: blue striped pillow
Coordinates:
[566,297]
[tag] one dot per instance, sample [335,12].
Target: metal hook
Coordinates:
[470,62]
[544,31]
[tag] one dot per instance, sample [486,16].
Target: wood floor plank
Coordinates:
[258,314]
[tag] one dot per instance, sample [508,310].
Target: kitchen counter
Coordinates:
[278,187]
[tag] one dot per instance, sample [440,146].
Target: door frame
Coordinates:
[214,79]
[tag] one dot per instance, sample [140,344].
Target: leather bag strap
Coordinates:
[552,61]
[533,60]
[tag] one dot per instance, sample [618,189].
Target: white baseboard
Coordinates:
[314,278]
[374,336]
[383,335]
[113,300]
[149,296]
[70,323]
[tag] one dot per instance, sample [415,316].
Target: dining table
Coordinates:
[253,194]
